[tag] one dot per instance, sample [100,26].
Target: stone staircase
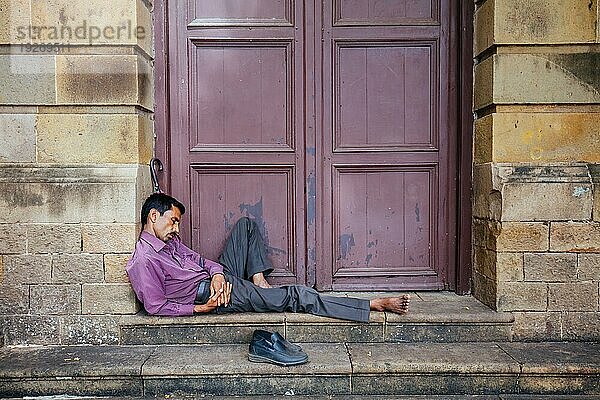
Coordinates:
[447,346]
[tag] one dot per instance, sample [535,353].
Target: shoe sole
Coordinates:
[259,359]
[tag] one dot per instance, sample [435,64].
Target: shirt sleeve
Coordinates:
[147,280]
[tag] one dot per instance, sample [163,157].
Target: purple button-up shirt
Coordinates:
[165,276]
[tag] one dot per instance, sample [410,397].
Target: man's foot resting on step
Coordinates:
[398,305]
[259,280]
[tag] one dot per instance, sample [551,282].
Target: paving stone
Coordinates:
[31,330]
[310,328]
[192,369]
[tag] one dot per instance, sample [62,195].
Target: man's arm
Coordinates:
[147,280]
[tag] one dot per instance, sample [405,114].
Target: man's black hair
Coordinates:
[162,203]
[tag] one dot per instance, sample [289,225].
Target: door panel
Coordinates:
[384,145]
[237,129]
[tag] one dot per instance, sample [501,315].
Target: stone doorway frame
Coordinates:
[461,67]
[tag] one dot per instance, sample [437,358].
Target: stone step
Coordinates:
[362,369]
[434,317]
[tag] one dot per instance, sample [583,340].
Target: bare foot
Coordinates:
[259,280]
[398,305]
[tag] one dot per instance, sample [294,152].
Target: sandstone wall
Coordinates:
[76,134]
[536,174]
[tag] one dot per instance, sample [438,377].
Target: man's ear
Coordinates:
[153,215]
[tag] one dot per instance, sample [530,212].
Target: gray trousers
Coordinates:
[245,255]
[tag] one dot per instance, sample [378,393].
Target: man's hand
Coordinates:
[210,305]
[218,285]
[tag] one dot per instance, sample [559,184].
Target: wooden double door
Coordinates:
[328,123]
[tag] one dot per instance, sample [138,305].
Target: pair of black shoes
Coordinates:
[272,348]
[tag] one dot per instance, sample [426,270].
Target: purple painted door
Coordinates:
[326,123]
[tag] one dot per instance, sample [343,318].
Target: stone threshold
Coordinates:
[333,369]
[434,317]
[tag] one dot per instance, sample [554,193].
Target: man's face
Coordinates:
[166,226]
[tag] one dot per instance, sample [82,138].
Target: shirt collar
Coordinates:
[153,241]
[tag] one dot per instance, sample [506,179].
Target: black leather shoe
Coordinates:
[276,337]
[264,348]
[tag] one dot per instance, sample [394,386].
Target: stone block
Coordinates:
[484,289]
[145,82]
[545,78]
[551,267]
[546,201]
[27,269]
[535,326]
[523,236]
[14,299]
[575,237]
[580,296]
[94,330]
[534,22]
[27,79]
[101,23]
[544,137]
[54,238]
[97,79]
[55,299]
[596,214]
[588,267]
[114,268]
[522,296]
[70,194]
[14,18]
[484,26]
[14,239]
[92,138]
[17,134]
[483,141]
[109,238]
[509,267]
[487,201]
[484,81]
[113,298]
[144,21]
[31,330]
[581,326]
[485,262]
[77,268]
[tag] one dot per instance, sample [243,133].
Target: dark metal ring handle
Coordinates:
[153,163]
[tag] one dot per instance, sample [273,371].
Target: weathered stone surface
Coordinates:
[544,137]
[483,141]
[112,298]
[484,289]
[447,333]
[114,268]
[70,194]
[551,267]
[546,202]
[526,78]
[14,14]
[537,326]
[17,134]
[27,268]
[580,296]
[14,299]
[485,262]
[30,330]
[55,299]
[509,267]
[27,79]
[335,333]
[581,326]
[588,267]
[96,79]
[109,238]
[14,239]
[522,296]
[120,387]
[94,330]
[575,237]
[145,83]
[596,214]
[54,238]
[486,190]
[534,22]
[92,138]
[555,358]
[523,236]
[77,268]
